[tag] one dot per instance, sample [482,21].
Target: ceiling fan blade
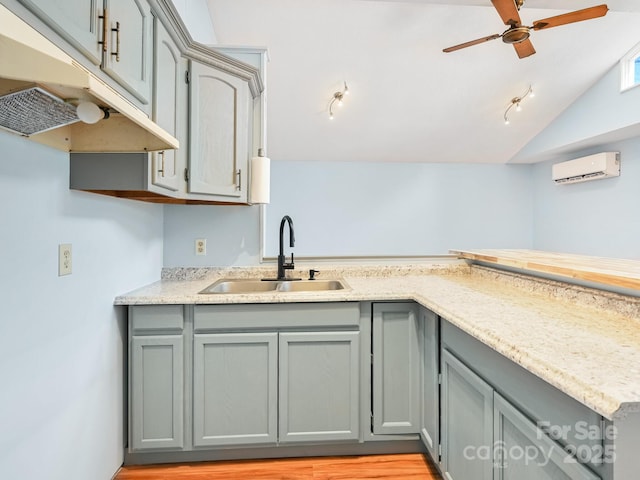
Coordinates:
[471,43]
[524,49]
[508,11]
[571,17]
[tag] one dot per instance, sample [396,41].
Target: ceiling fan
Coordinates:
[518,34]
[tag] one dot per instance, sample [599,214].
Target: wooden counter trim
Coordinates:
[617,272]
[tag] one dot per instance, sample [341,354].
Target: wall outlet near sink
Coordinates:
[201,246]
[64,259]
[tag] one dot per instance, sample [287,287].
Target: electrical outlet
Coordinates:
[201,246]
[64,259]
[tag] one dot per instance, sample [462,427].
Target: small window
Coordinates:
[630,69]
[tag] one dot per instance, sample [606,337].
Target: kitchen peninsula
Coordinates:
[580,343]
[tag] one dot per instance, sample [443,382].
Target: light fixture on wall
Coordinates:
[338,99]
[515,102]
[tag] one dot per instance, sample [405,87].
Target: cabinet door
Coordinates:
[319,385]
[219,133]
[396,368]
[129,46]
[74,20]
[430,424]
[169,107]
[527,453]
[157,384]
[235,388]
[467,422]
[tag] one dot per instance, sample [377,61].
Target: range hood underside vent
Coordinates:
[34,110]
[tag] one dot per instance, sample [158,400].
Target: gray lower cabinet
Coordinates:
[319,386]
[156,377]
[485,436]
[525,452]
[396,368]
[235,388]
[430,353]
[276,374]
[467,422]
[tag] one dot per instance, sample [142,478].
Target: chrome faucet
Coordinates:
[282,264]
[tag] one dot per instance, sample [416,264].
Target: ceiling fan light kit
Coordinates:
[518,34]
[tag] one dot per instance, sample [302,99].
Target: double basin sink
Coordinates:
[273,286]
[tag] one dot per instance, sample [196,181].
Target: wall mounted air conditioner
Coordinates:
[593,167]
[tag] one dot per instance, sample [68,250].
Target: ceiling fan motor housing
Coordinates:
[516,35]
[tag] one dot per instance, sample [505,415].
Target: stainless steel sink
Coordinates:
[311,285]
[264,286]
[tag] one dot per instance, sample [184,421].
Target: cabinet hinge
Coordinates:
[187,76]
[440,450]
[371,358]
[186,174]
[439,379]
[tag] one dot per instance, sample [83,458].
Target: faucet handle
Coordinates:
[289,266]
[312,274]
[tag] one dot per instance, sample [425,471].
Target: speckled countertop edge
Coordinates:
[557,331]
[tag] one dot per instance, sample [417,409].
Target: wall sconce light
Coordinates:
[515,101]
[337,97]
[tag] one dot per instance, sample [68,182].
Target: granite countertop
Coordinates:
[585,342]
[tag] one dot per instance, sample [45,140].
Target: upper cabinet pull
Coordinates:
[117,52]
[103,42]
[239,174]
[161,169]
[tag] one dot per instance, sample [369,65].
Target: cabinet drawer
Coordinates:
[275,316]
[145,318]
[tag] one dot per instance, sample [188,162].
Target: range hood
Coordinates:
[34,70]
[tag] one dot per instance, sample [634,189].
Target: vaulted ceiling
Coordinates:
[409,101]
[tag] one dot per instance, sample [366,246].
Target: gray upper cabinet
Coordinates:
[430,348]
[467,422]
[169,108]
[396,368]
[235,385]
[125,56]
[129,49]
[220,119]
[319,386]
[77,21]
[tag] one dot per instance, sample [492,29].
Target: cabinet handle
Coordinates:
[104,31]
[161,169]
[117,52]
[239,174]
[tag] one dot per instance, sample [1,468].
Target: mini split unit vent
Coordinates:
[593,167]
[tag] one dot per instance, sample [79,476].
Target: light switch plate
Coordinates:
[64,259]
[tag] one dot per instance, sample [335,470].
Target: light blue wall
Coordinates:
[61,338]
[399,208]
[354,209]
[232,234]
[603,114]
[599,218]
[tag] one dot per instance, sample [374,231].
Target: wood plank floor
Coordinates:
[412,466]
